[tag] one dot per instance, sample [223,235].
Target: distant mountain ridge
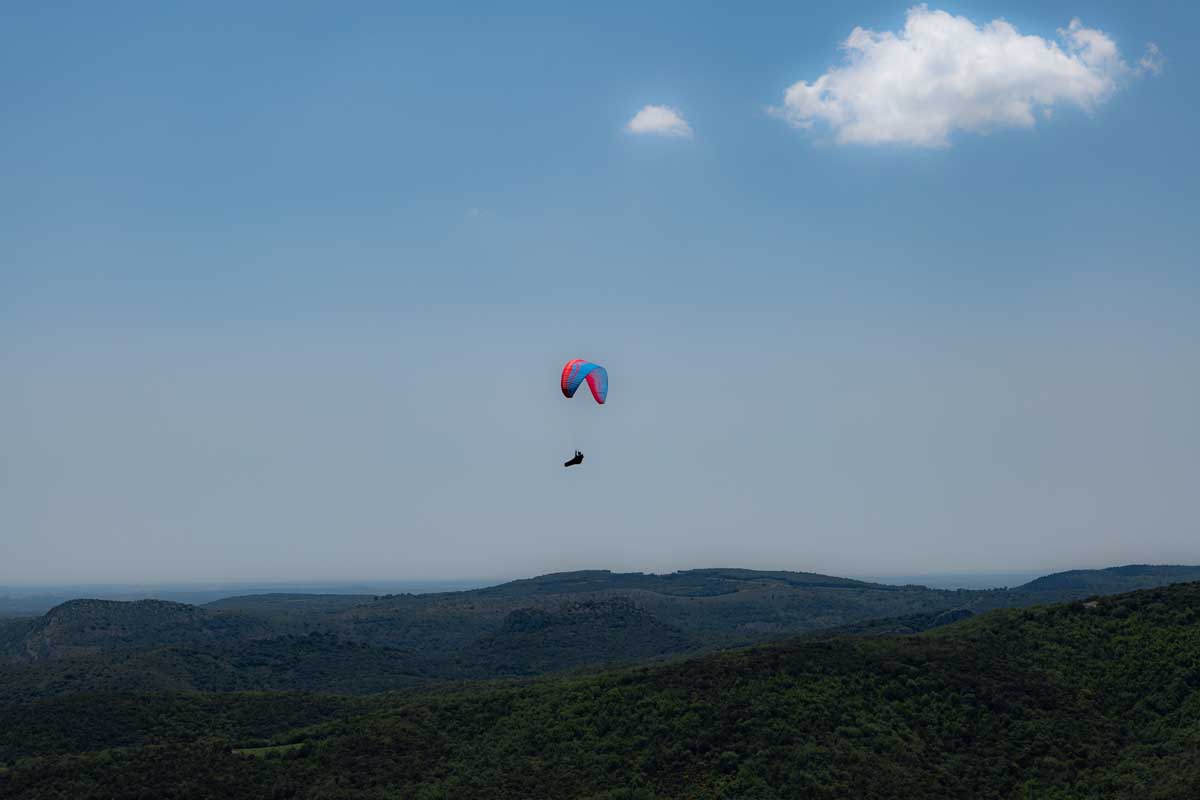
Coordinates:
[552,622]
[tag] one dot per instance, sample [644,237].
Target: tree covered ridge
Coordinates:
[574,620]
[1084,699]
[716,607]
[84,627]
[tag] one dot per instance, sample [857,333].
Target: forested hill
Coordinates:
[694,608]
[364,644]
[1097,698]
[81,627]
[1113,580]
[730,605]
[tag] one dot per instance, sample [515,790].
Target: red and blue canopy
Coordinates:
[577,370]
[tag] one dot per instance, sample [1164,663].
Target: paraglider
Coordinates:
[574,373]
[577,370]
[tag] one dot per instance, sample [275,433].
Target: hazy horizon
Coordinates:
[946,579]
[285,293]
[33,599]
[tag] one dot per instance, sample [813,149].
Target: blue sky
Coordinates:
[284,292]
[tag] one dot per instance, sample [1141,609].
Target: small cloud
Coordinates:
[941,74]
[1152,60]
[475,213]
[660,121]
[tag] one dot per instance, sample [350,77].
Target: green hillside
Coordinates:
[1113,579]
[531,642]
[83,627]
[711,607]
[361,644]
[317,662]
[1086,699]
[717,607]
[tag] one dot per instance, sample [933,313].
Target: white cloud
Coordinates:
[943,73]
[1152,60]
[659,121]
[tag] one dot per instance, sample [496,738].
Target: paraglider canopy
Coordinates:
[577,370]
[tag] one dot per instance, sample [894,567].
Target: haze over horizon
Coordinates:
[378,585]
[285,293]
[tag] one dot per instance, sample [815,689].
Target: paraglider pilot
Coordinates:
[574,373]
